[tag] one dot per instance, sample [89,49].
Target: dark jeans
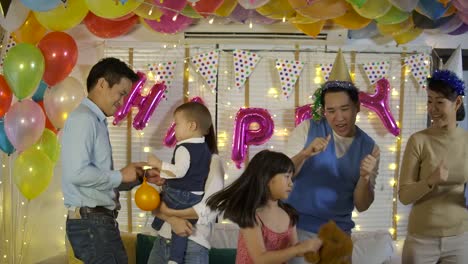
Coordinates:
[177,199]
[95,239]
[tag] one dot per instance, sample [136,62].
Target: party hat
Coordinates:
[340,70]
[454,63]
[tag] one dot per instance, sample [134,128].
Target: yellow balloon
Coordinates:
[63,17]
[111,8]
[32,172]
[373,8]
[407,36]
[277,9]
[321,9]
[30,32]
[312,29]
[352,20]
[395,29]
[148,10]
[48,143]
[226,8]
[300,19]
[146,197]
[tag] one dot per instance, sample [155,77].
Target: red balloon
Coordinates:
[60,55]
[206,7]
[48,124]
[107,28]
[5,96]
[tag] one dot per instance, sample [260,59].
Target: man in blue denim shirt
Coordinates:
[90,184]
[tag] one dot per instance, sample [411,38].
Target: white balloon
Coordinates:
[17,14]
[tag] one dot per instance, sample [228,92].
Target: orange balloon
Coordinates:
[322,9]
[146,197]
[30,32]
[312,29]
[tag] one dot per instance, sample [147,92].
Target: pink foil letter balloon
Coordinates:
[303,113]
[243,136]
[378,103]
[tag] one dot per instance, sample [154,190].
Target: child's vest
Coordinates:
[194,179]
[324,187]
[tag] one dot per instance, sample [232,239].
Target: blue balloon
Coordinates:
[433,9]
[5,144]
[369,31]
[41,5]
[39,94]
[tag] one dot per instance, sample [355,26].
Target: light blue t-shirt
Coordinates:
[88,175]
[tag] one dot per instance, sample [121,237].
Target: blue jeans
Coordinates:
[195,253]
[95,239]
[177,199]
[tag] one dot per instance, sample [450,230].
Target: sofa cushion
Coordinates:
[144,244]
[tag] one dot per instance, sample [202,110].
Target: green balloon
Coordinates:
[188,11]
[394,16]
[357,3]
[23,68]
[32,172]
[48,143]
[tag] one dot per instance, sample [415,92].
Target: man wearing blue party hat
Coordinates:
[336,162]
[434,174]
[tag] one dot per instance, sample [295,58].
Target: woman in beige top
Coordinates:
[433,176]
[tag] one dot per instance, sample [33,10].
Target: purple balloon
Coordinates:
[461,5]
[378,103]
[147,105]
[130,100]
[463,17]
[166,24]
[24,124]
[303,113]
[243,136]
[460,30]
[451,25]
[243,15]
[170,139]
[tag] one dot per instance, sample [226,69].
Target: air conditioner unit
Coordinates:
[280,33]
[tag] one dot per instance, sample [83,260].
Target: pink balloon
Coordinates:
[303,113]
[170,139]
[131,99]
[148,104]
[378,103]
[166,24]
[24,124]
[244,136]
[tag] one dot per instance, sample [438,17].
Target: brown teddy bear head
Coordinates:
[337,247]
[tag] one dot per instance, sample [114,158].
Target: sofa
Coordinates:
[376,247]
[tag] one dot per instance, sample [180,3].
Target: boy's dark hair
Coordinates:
[200,114]
[240,200]
[448,92]
[351,90]
[112,70]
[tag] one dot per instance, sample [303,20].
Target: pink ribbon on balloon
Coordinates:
[244,136]
[170,139]
[303,113]
[378,103]
[145,104]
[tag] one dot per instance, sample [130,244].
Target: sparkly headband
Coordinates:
[449,78]
[340,84]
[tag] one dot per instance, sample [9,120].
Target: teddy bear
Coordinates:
[337,246]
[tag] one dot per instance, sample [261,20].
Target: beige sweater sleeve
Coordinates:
[412,186]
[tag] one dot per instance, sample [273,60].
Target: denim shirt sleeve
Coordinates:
[79,136]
